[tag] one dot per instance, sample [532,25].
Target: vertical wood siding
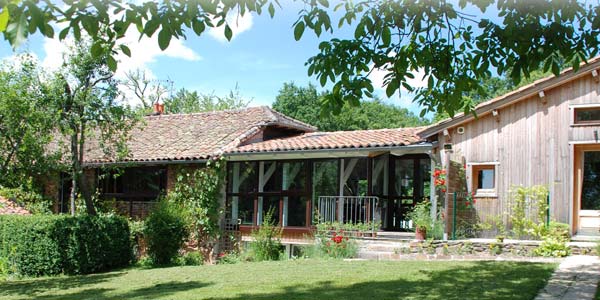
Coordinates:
[531,141]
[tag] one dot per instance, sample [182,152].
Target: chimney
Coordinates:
[159,108]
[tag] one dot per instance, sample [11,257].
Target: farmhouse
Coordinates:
[545,133]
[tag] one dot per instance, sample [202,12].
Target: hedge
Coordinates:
[51,244]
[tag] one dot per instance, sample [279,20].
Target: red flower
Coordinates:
[222,254]
[465,166]
[443,190]
[467,203]
[474,201]
[337,239]
[443,172]
[436,173]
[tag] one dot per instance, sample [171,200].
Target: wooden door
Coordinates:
[587,190]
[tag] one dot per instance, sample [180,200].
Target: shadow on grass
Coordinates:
[479,280]
[33,288]
[485,280]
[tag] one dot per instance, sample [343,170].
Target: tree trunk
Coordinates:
[75,167]
[89,205]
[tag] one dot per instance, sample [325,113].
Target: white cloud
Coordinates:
[237,23]
[143,53]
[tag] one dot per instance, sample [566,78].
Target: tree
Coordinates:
[147,91]
[86,95]
[493,87]
[303,103]
[454,49]
[27,120]
[185,102]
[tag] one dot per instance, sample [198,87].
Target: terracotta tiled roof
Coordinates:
[9,207]
[195,136]
[336,140]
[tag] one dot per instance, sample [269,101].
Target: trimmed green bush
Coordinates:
[48,245]
[165,231]
[267,240]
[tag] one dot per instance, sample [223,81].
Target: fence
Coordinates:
[349,209]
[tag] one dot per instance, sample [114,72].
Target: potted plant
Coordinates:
[421,219]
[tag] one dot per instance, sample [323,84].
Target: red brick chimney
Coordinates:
[159,108]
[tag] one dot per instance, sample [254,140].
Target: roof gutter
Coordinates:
[327,153]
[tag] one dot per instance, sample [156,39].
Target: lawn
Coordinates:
[301,279]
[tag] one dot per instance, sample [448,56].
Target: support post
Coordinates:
[454,217]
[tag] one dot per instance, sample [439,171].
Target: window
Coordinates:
[242,184]
[133,184]
[484,179]
[587,115]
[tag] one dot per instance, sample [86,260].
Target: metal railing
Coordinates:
[348,209]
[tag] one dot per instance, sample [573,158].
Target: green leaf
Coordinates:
[96,49]
[324,3]
[126,50]
[298,30]
[228,32]
[111,63]
[386,36]
[63,33]
[271,10]
[4,16]
[164,38]
[198,27]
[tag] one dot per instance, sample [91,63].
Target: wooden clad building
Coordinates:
[545,133]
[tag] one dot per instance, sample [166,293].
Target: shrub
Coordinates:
[32,201]
[267,240]
[47,245]
[559,230]
[553,247]
[191,259]
[165,232]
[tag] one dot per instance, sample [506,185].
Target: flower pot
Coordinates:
[420,233]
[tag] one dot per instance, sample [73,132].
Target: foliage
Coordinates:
[31,200]
[47,245]
[553,247]
[303,103]
[337,245]
[266,243]
[165,231]
[439,175]
[27,120]
[349,228]
[136,236]
[421,215]
[193,258]
[185,102]
[86,96]
[440,42]
[199,193]
[529,210]
[492,87]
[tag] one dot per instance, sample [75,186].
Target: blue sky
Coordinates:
[261,57]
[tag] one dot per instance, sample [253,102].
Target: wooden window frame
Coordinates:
[475,168]
[583,123]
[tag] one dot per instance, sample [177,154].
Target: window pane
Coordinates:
[590,193]
[295,207]
[404,177]
[357,183]
[425,165]
[241,177]
[485,179]
[587,115]
[380,175]
[242,208]
[268,204]
[272,176]
[294,176]
[325,178]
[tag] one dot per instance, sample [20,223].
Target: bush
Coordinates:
[32,201]
[48,245]
[165,231]
[267,240]
[553,247]
[191,259]
[559,230]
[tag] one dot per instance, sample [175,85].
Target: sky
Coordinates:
[260,58]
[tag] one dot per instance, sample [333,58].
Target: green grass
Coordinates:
[302,279]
